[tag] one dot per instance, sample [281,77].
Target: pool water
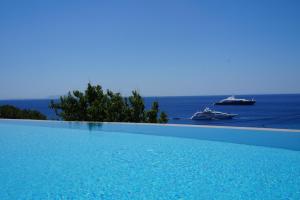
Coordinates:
[59,160]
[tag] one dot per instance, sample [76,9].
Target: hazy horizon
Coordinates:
[160,48]
[236,95]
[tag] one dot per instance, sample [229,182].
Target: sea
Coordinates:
[270,111]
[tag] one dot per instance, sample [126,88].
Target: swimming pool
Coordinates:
[60,160]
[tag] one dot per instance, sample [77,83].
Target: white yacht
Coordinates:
[234,101]
[211,114]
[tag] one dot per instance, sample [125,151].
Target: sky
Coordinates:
[158,47]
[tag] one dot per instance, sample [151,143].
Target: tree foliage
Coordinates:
[96,105]
[12,112]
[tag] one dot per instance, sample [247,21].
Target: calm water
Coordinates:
[59,160]
[277,111]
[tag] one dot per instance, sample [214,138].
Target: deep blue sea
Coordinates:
[272,111]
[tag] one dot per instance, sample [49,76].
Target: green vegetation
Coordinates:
[96,105]
[11,112]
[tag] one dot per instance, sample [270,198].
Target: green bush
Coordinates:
[12,112]
[96,105]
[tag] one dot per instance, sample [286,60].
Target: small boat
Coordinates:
[211,114]
[233,101]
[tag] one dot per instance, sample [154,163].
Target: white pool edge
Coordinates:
[168,125]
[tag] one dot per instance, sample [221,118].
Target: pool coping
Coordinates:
[167,125]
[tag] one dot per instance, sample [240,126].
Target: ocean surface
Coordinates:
[270,111]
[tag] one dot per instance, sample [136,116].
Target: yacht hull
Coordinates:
[213,117]
[236,103]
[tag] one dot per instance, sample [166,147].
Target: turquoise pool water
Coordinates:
[57,160]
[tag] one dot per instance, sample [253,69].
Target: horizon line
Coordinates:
[161,96]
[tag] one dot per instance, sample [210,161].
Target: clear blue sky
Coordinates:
[159,47]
